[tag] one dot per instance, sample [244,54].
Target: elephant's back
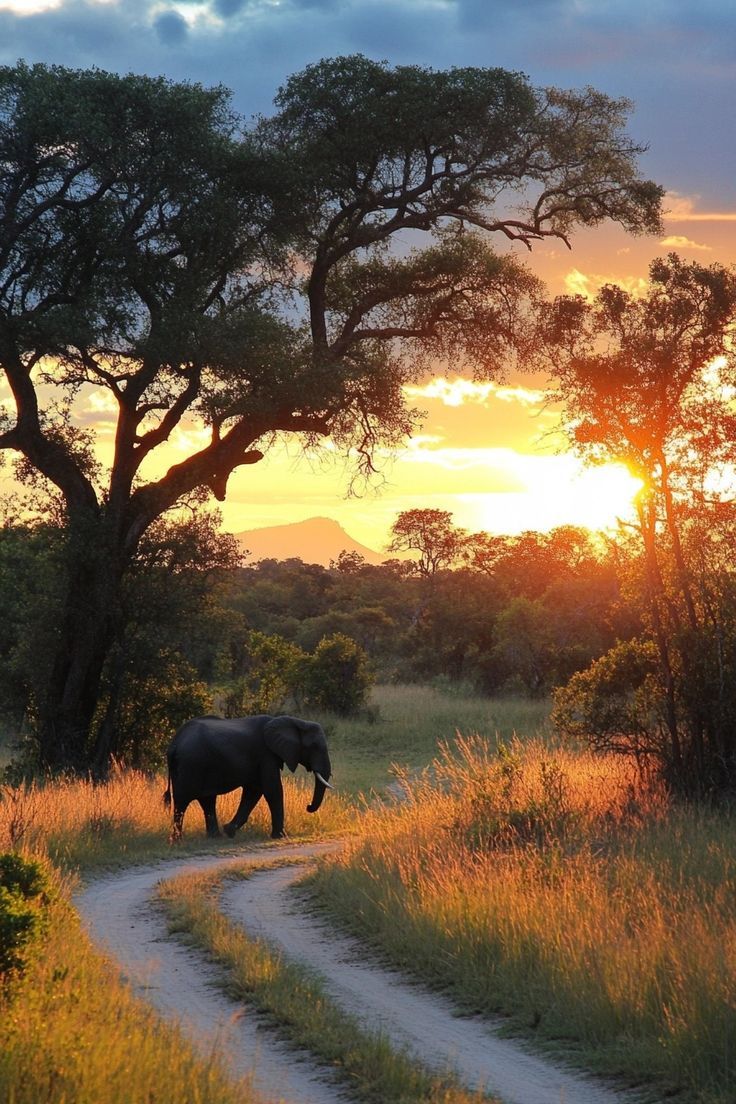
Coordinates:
[210,738]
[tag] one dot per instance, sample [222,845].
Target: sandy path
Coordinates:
[179,983]
[423,1022]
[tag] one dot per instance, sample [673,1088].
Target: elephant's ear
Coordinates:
[283,738]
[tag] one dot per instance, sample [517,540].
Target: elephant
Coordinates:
[212,755]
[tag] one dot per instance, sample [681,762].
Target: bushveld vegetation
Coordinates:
[156,263]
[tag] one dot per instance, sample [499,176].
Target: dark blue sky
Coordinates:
[676,59]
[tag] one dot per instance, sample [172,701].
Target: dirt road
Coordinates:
[179,983]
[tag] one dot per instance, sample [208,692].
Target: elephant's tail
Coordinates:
[167,791]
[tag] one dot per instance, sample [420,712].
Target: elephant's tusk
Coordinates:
[323,780]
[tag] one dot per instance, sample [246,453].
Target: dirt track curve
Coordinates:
[119,914]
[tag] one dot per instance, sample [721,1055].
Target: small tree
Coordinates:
[616,704]
[270,679]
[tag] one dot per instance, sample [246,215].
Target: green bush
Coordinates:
[272,668]
[24,894]
[615,704]
[336,677]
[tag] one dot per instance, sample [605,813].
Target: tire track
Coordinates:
[119,914]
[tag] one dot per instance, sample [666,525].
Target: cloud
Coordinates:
[226,8]
[678,241]
[455,392]
[171,28]
[588,285]
[681,208]
[460,392]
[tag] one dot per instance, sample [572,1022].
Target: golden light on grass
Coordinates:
[555,886]
[78,823]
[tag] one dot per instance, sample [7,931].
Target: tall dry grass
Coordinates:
[558,888]
[78,823]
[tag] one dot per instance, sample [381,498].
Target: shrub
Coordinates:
[336,677]
[272,667]
[24,894]
[615,704]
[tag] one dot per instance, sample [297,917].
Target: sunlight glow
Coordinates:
[559,490]
[29,7]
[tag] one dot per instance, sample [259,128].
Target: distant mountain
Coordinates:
[316,540]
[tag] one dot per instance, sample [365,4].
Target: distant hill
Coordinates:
[316,540]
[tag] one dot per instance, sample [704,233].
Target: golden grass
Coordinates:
[374,1071]
[74,1033]
[555,887]
[78,823]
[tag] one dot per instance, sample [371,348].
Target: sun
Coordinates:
[553,491]
[598,497]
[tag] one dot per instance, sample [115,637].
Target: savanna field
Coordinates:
[550,885]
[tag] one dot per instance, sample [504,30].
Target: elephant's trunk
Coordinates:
[321,774]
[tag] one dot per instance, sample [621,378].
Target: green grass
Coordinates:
[409,722]
[74,1034]
[553,887]
[296,1000]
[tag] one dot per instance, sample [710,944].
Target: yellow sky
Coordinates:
[486,452]
[489,454]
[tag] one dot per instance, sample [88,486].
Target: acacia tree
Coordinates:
[155,248]
[432,534]
[649,380]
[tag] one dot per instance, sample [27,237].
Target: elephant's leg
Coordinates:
[274,795]
[180,807]
[210,815]
[248,801]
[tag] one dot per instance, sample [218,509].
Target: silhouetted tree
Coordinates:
[649,380]
[432,534]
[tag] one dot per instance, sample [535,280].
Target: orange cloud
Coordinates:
[578,283]
[680,208]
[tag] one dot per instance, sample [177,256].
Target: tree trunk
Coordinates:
[87,631]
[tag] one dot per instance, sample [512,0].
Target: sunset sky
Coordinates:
[488,453]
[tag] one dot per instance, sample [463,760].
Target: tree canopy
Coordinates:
[650,380]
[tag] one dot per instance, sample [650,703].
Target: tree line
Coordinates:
[200,630]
